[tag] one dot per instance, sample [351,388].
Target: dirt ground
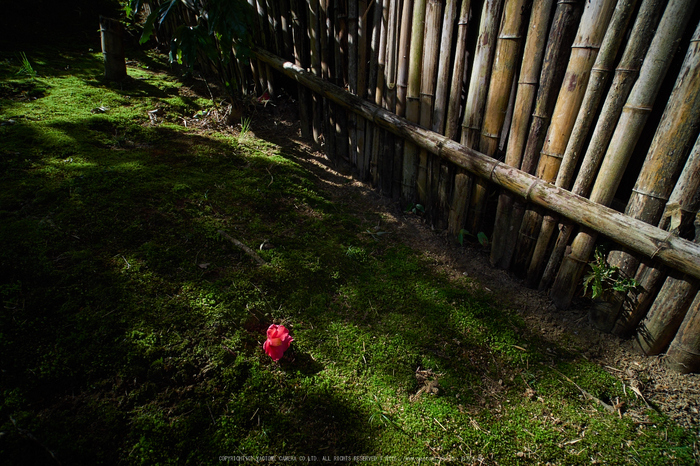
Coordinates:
[678,396]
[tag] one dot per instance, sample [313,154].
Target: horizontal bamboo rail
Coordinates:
[639,236]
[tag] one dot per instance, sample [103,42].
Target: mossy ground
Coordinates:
[131,329]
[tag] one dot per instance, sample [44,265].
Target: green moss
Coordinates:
[132,329]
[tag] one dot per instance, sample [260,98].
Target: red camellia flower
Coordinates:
[278,340]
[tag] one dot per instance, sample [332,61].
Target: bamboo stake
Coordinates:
[352,76]
[624,139]
[525,97]
[591,98]
[314,31]
[502,73]
[474,107]
[565,17]
[441,171]
[403,57]
[285,25]
[667,313]
[273,13]
[300,60]
[410,150]
[443,75]
[637,235]
[626,74]
[361,86]
[340,76]
[326,54]
[584,51]
[481,71]
[683,353]
[681,209]
[392,154]
[673,139]
[378,35]
[461,180]
[429,69]
[452,124]
[269,81]
[678,124]
[378,172]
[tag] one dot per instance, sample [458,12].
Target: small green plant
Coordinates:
[604,279]
[26,68]
[415,208]
[245,127]
[480,237]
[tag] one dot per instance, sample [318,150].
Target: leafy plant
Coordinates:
[415,208]
[480,237]
[222,32]
[604,278]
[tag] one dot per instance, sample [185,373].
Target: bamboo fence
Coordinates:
[532,121]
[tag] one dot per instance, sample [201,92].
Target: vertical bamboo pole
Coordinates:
[300,59]
[378,175]
[461,179]
[525,97]
[378,28]
[626,73]
[666,314]
[285,25]
[361,85]
[266,38]
[429,69]
[625,137]
[502,73]
[441,171]
[391,155]
[339,16]
[453,107]
[681,209]
[683,353]
[584,50]
[352,72]
[443,75]
[403,57]
[566,16]
[410,150]
[314,31]
[672,142]
[474,107]
[273,13]
[592,96]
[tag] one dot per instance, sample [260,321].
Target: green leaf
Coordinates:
[483,239]
[148,27]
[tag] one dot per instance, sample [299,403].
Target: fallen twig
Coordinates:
[245,248]
[587,395]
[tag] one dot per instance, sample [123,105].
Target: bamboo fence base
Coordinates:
[646,239]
